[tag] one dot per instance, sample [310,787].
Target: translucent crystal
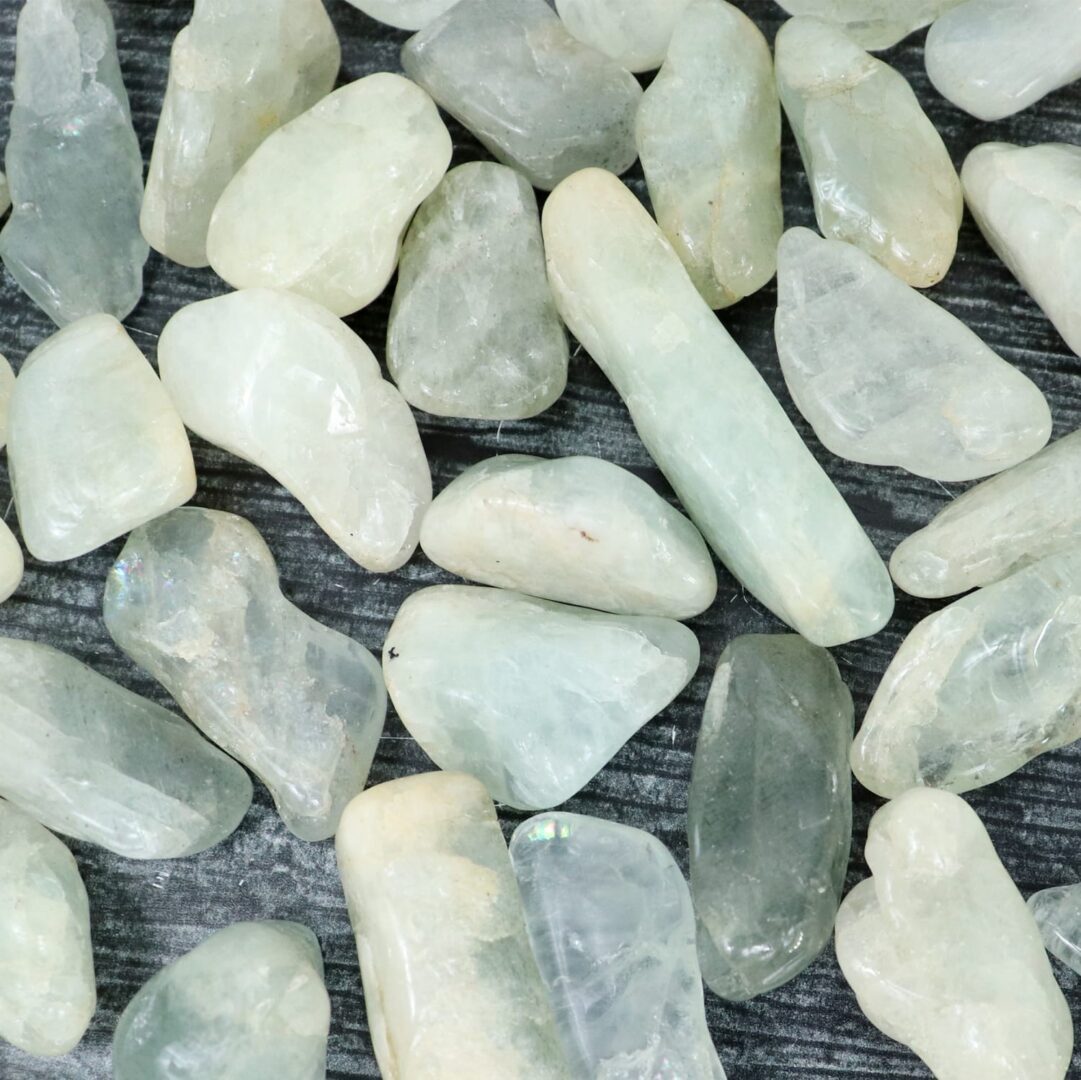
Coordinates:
[875,24]
[634,33]
[406,14]
[1058,915]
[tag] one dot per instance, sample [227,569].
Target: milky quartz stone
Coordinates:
[880,175]
[96,446]
[536,97]
[579,530]
[405,14]
[450,985]
[709,136]
[47,994]
[321,206]
[533,698]
[237,72]
[279,381]
[11,562]
[634,33]
[708,418]
[1058,915]
[874,24]
[943,954]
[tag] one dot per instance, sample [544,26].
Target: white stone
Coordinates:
[708,418]
[11,562]
[405,14]
[634,33]
[96,446]
[887,377]
[880,175]
[321,206]
[943,954]
[237,72]
[279,381]
[578,530]
[874,24]
[1058,915]
[533,698]
[709,136]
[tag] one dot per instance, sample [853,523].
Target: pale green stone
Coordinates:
[405,14]
[634,33]
[247,1004]
[1058,915]
[11,562]
[875,24]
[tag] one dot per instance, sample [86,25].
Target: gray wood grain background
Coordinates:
[148,914]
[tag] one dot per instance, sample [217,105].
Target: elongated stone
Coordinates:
[473,328]
[709,136]
[47,994]
[92,760]
[248,1003]
[537,98]
[997,527]
[1027,203]
[770,812]
[74,166]
[321,206]
[981,687]
[612,928]
[450,985]
[880,175]
[579,530]
[405,14]
[96,446]
[942,953]
[236,73]
[887,377]
[11,562]
[634,33]
[279,381]
[531,697]
[874,24]
[708,418]
[194,599]
[1058,915]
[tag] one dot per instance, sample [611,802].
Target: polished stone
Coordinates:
[11,562]
[874,24]
[634,33]
[405,14]
[1058,915]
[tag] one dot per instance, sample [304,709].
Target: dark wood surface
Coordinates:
[148,914]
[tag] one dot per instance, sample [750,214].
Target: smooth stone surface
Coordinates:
[634,33]
[880,175]
[874,24]
[981,687]
[578,530]
[73,165]
[92,760]
[887,377]
[321,206]
[770,812]
[531,697]
[194,599]
[7,388]
[998,527]
[279,381]
[473,328]
[47,994]
[538,99]
[1058,915]
[708,418]
[612,928]
[1027,203]
[450,985]
[709,136]
[405,14]
[247,1004]
[942,953]
[11,562]
[994,58]
[96,446]
[236,74]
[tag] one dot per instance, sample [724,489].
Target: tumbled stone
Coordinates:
[1027,203]
[612,928]
[981,687]
[279,381]
[405,14]
[1058,915]
[531,697]
[92,760]
[194,599]
[236,74]
[708,418]
[874,24]
[770,812]
[321,206]
[887,377]
[74,166]
[11,562]
[248,1003]
[579,530]
[880,175]
[942,953]
[47,994]
[536,97]
[997,527]
[473,328]
[709,136]
[634,33]
[96,446]
[450,985]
